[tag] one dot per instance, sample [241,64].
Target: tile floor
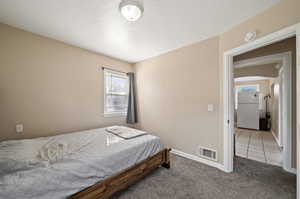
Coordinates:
[258,145]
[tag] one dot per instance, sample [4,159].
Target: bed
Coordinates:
[88,164]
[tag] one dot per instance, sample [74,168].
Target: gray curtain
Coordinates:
[131,111]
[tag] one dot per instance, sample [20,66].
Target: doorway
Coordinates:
[228,93]
[256,121]
[263,105]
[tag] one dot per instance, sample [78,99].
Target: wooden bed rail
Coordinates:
[104,189]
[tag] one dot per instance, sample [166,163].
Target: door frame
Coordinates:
[228,116]
[298,107]
[280,127]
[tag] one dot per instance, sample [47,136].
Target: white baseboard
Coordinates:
[212,163]
[199,159]
[277,140]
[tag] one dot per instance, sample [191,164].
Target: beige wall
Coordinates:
[265,70]
[286,45]
[173,93]
[175,88]
[49,86]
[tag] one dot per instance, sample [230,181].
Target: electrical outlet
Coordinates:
[19,128]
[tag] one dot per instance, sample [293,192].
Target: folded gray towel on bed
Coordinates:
[125,132]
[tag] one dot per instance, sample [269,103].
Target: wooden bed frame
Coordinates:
[104,189]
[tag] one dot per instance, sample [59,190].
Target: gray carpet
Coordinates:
[188,179]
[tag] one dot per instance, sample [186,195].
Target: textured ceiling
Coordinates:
[98,26]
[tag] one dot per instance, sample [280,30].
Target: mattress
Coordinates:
[94,156]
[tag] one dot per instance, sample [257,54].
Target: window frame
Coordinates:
[122,75]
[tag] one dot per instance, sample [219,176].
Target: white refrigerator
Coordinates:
[248,110]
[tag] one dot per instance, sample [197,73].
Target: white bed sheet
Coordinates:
[24,175]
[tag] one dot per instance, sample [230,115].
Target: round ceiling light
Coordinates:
[132,10]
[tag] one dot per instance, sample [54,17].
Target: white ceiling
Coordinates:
[98,26]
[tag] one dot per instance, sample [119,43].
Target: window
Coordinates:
[248,88]
[244,88]
[116,88]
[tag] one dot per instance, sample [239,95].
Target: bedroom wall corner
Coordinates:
[49,86]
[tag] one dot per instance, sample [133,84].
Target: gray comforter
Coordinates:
[59,166]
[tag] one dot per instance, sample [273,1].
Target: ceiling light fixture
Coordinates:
[132,10]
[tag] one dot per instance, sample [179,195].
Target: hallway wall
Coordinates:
[275,106]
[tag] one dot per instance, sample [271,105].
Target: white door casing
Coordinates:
[298,108]
[228,88]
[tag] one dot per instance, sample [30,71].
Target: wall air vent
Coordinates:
[207,153]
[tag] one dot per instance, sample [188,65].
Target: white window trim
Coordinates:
[111,114]
[116,114]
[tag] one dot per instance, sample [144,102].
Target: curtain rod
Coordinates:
[113,70]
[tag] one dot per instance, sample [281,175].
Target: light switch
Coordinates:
[210,107]
[19,128]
